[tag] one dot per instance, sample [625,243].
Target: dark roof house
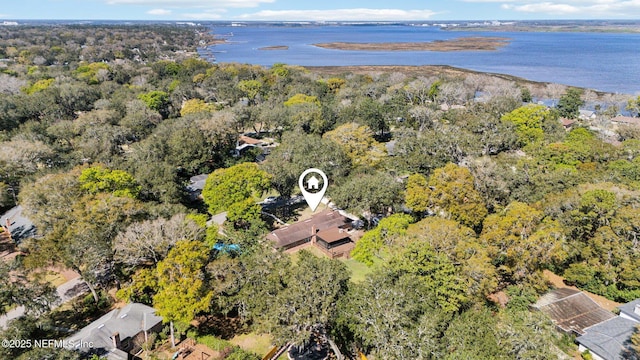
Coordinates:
[301,232]
[572,310]
[117,335]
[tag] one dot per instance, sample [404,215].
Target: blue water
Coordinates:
[600,61]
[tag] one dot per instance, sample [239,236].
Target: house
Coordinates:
[246,143]
[625,120]
[586,114]
[196,184]
[118,335]
[631,310]
[571,310]
[608,340]
[327,230]
[313,183]
[19,226]
[334,242]
[567,124]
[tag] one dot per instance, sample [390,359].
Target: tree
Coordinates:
[250,88]
[479,341]
[633,106]
[451,194]
[569,103]
[196,106]
[459,243]
[436,270]
[148,242]
[140,119]
[243,213]
[158,101]
[298,152]
[77,228]
[16,288]
[529,120]
[358,143]
[299,99]
[182,288]
[375,243]
[392,317]
[98,179]
[307,303]
[416,198]
[521,243]
[225,187]
[376,193]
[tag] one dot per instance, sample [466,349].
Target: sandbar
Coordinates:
[275,47]
[475,43]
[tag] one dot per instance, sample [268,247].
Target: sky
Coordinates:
[323,10]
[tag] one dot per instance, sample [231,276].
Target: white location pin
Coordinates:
[313,183]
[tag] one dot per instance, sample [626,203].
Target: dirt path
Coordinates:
[558,282]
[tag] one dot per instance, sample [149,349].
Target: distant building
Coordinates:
[567,124]
[196,185]
[118,334]
[625,120]
[586,114]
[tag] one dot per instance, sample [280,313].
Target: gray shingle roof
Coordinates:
[610,339]
[20,227]
[629,308]
[128,322]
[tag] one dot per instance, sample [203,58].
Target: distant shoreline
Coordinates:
[479,43]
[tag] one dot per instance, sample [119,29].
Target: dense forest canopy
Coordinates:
[479,189]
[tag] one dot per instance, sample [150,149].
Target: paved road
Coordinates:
[63,292]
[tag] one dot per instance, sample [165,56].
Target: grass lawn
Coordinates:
[257,344]
[54,278]
[358,270]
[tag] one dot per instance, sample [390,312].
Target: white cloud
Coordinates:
[577,8]
[159,12]
[546,7]
[193,3]
[340,15]
[205,15]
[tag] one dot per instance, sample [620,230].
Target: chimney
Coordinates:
[313,234]
[116,340]
[637,309]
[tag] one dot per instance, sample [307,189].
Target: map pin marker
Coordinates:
[311,189]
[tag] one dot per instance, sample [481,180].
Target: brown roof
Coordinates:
[572,310]
[303,229]
[332,235]
[567,122]
[248,140]
[626,120]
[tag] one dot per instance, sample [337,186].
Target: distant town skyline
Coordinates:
[327,10]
